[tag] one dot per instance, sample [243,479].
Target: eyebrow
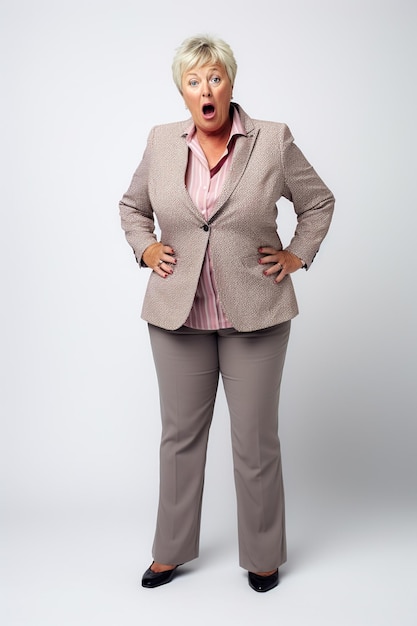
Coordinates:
[193,73]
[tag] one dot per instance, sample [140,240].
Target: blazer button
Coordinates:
[205,227]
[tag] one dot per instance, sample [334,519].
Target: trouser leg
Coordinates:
[186,363]
[251,366]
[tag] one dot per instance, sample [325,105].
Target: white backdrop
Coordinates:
[82,84]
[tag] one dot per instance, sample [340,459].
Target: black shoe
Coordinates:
[152,579]
[263,583]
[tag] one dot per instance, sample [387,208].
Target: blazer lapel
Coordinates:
[180,162]
[242,151]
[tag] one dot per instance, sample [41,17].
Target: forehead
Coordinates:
[205,69]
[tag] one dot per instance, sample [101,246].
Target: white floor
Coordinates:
[347,566]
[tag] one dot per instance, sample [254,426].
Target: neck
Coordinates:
[218,137]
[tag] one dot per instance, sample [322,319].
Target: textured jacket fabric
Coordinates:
[266,165]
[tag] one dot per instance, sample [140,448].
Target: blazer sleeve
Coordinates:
[312,199]
[136,214]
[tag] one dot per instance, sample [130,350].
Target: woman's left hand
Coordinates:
[283,262]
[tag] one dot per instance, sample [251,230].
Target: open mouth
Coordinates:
[208,110]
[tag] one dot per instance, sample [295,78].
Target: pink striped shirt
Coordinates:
[204,186]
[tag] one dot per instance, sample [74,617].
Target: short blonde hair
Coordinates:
[201,50]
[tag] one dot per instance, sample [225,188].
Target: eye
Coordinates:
[193,82]
[215,80]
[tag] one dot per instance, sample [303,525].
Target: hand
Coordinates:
[284,262]
[159,258]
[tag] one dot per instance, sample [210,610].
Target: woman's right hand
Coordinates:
[159,258]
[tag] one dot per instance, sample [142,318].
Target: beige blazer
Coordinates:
[266,165]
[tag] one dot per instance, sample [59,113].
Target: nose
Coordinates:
[206,89]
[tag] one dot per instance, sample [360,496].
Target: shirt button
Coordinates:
[205,227]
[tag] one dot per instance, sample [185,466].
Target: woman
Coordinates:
[220,300]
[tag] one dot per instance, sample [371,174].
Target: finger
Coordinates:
[167,255]
[163,268]
[275,269]
[269,259]
[161,272]
[166,266]
[280,276]
[267,250]
[167,259]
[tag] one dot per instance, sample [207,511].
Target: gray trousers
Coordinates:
[188,363]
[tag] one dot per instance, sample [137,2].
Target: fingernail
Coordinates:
[260,261]
[265,273]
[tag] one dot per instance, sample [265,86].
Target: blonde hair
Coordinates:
[201,50]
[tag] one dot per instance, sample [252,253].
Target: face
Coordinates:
[207,92]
